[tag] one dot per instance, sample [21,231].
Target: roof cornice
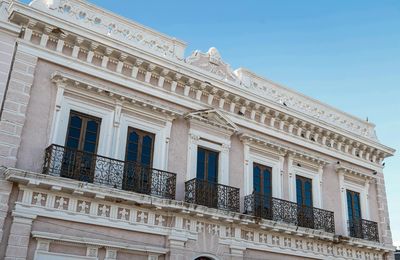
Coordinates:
[204,83]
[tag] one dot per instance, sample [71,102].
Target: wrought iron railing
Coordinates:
[93,168]
[364,229]
[212,195]
[289,212]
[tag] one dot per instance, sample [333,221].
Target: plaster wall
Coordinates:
[36,133]
[255,255]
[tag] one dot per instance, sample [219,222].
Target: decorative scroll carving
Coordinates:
[211,61]
[213,117]
[313,108]
[94,19]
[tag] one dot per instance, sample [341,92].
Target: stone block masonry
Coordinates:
[12,120]
[15,101]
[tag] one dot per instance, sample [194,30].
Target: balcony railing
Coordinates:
[289,212]
[93,168]
[212,195]
[364,229]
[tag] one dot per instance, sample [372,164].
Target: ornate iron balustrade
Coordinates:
[212,195]
[289,212]
[364,229]
[93,168]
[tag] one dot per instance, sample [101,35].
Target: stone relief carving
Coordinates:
[89,17]
[213,117]
[220,231]
[95,20]
[302,104]
[211,61]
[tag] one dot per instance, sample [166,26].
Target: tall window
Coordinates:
[354,213]
[81,146]
[207,165]
[353,204]
[262,184]
[83,132]
[304,191]
[305,213]
[139,160]
[139,147]
[207,177]
[262,179]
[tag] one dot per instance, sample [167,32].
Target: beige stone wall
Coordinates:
[331,199]
[36,131]
[15,105]
[7,47]
[177,161]
[236,167]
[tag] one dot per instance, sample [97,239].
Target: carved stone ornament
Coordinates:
[211,61]
[113,26]
[213,117]
[289,98]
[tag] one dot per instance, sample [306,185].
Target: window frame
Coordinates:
[303,190]
[359,203]
[314,175]
[255,154]
[346,184]
[82,137]
[61,121]
[141,134]
[262,169]
[197,138]
[208,151]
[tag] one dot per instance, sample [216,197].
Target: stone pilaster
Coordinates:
[18,241]
[176,249]
[5,190]
[8,36]
[15,105]
[383,213]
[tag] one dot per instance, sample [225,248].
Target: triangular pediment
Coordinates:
[213,117]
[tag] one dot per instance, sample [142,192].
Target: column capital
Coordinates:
[25,218]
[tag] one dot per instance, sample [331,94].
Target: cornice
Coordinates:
[64,80]
[283,149]
[239,101]
[91,17]
[194,71]
[51,187]
[355,173]
[96,242]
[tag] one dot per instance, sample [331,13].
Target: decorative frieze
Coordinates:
[279,120]
[110,26]
[264,235]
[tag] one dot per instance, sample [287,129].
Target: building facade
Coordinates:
[114,145]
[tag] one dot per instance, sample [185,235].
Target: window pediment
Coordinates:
[214,118]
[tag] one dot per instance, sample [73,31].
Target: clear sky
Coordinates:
[344,53]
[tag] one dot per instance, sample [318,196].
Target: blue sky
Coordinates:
[344,53]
